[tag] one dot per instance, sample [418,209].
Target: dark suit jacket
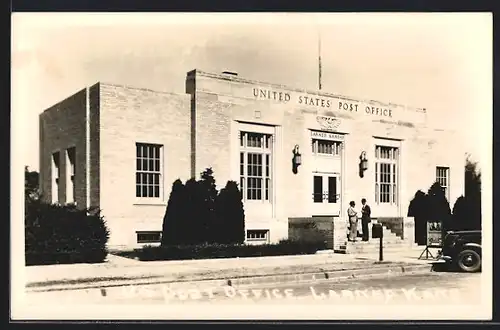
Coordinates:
[366,213]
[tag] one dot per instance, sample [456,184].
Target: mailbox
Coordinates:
[376,230]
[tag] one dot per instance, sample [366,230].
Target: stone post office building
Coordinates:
[296,153]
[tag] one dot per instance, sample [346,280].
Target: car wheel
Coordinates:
[469,261]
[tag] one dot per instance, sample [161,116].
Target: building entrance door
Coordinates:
[326,194]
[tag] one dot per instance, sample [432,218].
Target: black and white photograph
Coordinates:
[258,166]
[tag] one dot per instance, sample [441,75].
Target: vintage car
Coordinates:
[463,249]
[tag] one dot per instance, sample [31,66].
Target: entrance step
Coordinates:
[391,243]
[394,248]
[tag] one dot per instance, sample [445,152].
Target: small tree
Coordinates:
[196,213]
[31,183]
[438,206]
[231,214]
[473,193]
[192,226]
[418,209]
[172,231]
[459,214]
[467,208]
[207,216]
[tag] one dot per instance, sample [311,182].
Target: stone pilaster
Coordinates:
[409,230]
[339,234]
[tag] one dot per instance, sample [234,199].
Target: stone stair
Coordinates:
[392,243]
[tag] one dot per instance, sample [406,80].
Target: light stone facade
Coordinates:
[202,128]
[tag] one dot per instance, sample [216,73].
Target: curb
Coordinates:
[149,278]
[120,291]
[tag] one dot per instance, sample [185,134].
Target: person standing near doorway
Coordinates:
[353,221]
[365,219]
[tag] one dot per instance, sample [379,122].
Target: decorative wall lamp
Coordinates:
[363,163]
[297,159]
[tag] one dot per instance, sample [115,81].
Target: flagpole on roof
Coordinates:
[319,60]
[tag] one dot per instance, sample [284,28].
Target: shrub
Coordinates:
[63,234]
[465,215]
[207,194]
[418,210]
[197,213]
[230,215]
[438,206]
[193,222]
[210,251]
[173,232]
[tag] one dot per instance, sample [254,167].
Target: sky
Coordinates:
[441,62]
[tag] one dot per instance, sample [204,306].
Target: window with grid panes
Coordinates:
[257,235]
[326,147]
[255,166]
[148,170]
[386,175]
[443,177]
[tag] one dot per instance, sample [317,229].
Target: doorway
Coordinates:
[326,194]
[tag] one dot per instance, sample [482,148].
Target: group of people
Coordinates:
[353,216]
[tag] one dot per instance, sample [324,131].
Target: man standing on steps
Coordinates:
[365,219]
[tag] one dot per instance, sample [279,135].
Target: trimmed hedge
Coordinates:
[63,234]
[199,214]
[211,251]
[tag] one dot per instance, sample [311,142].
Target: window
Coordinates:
[386,178]
[326,147]
[148,236]
[70,175]
[56,174]
[255,166]
[443,178]
[258,235]
[148,170]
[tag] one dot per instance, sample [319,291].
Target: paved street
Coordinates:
[432,288]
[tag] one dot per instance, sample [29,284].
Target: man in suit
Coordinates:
[365,219]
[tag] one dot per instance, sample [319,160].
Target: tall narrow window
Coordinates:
[56,174]
[386,177]
[443,178]
[70,175]
[148,175]
[256,166]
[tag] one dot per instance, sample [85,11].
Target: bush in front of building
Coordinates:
[230,215]
[173,231]
[211,251]
[430,207]
[57,234]
[418,209]
[198,214]
[465,214]
[467,208]
[438,206]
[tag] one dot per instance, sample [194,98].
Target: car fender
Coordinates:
[472,245]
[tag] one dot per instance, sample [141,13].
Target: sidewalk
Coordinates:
[126,271]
